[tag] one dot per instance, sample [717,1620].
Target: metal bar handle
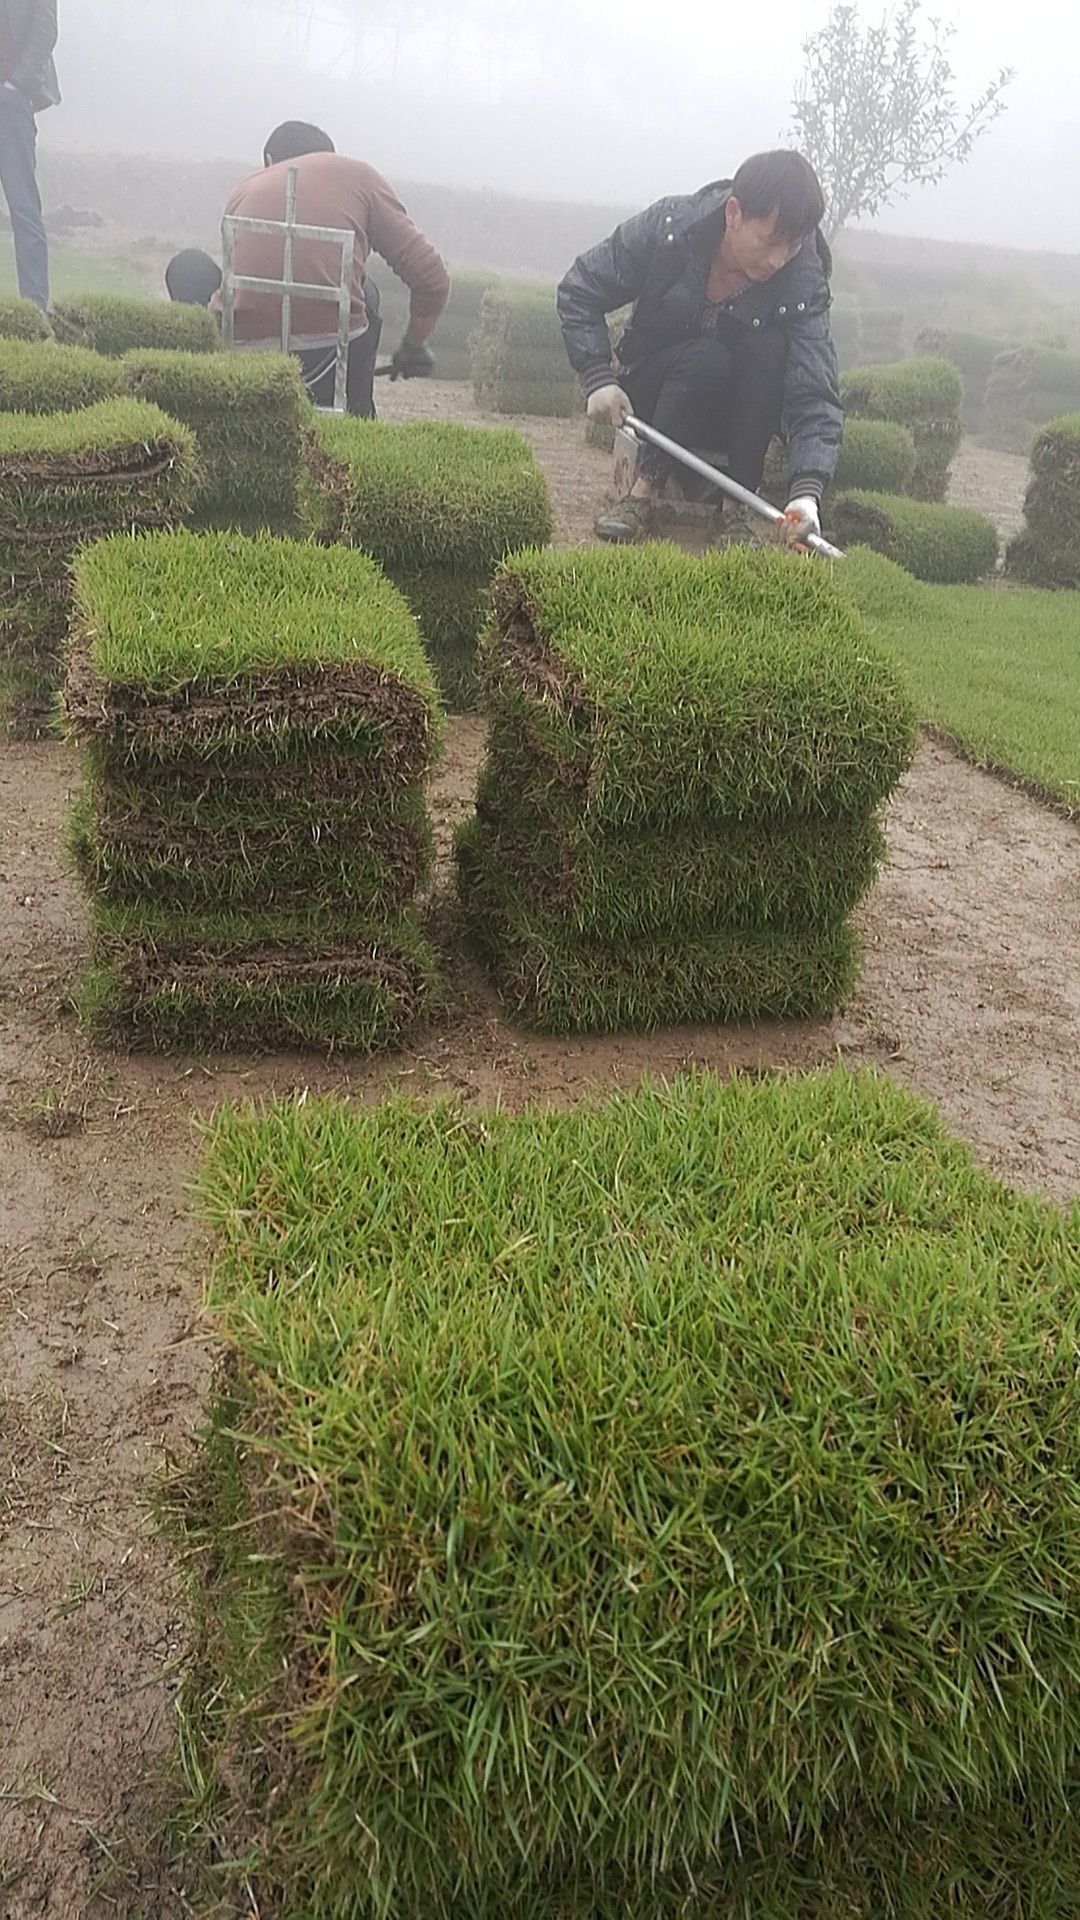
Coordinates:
[733,488]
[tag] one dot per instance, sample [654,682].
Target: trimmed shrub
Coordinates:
[878,456]
[21,320]
[923,395]
[1046,553]
[114,324]
[252,418]
[519,361]
[949,545]
[439,506]
[36,377]
[679,808]
[1028,388]
[67,479]
[656,1509]
[258,717]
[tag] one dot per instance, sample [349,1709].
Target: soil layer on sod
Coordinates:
[924,395]
[1046,552]
[113,324]
[950,545]
[258,716]
[637,1510]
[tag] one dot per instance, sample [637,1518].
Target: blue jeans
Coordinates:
[18,178]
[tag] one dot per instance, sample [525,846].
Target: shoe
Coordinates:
[631,520]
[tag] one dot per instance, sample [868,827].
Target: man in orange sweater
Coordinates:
[344,194]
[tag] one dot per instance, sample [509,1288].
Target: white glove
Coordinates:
[609,405]
[803,516]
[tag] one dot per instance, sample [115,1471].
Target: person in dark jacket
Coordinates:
[728,341]
[28,32]
[192,278]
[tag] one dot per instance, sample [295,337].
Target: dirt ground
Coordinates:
[970,993]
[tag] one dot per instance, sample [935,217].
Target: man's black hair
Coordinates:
[293,139]
[784,184]
[192,278]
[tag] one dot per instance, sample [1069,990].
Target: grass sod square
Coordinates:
[230,850]
[657,688]
[925,395]
[1027,388]
[37,377]
[233,981]
[950,545]
[259,650]
[638,1510]
[22,320]
[554,980]
[252,419]
[113,324]
[1047,551]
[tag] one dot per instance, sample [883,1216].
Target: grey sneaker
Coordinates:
[631,520]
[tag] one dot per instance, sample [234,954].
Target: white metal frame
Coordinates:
[287,287]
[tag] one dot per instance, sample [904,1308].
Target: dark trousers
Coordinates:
[319,365]
[723,394]
[18,178]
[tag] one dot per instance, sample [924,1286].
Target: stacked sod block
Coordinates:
[671,1475]
[21,320]
[519,360]
[973,355]
[923,395]
[252,420]
[948,545]
[439,506]
[1046,552]
[1028,387]
[881,334]
[115,324]
[451,343]
[877,456]
[67,479]
[687,762]
[257,719]
[36,377]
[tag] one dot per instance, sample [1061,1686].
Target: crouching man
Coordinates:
[728,341]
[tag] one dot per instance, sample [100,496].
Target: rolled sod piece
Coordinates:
[949,545]
[252,419]
[33,633]
[37,378]
[22,320]
[232,849]
[656,687]
[247,651]
[878,456]
[1039,560]
[924,395]
[113,324]
[451,609]
[536,1431]
[228,981]
[620,887]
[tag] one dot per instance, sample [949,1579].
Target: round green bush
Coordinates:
[948,545]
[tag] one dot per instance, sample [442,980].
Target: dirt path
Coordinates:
[971,993]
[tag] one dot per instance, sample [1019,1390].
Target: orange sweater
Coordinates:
[331,192]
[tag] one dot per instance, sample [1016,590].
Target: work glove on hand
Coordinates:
[412,363]
[610,405]
[803,516]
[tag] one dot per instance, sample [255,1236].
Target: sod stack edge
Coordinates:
[252,419]
[22,320]
[1046,551]
[36,377]
[439,506]
[950,545]
[688,759]
[1028,387]
[519,360]
[258,719]
[113,324]
[640,1511]
[925,395]
[67,479]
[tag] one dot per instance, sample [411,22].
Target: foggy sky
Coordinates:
[613,100]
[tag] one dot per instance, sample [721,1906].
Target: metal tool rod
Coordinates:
[733,488]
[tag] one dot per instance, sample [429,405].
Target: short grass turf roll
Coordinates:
[657,1509]
[924,395]
[114,323]
[1046,553]
[1029,387]
[22,320]
[519,360]
[656,687]
[877,456]
[949,545]
[252,419]
[36,377]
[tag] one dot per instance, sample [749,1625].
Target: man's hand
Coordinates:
[802,517]
[610,405]
[412,363]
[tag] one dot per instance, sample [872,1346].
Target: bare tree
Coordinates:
[876,113]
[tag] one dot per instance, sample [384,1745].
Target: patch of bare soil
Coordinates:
[970,992]
[993,483]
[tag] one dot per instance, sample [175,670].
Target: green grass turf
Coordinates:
[949,545]
[554,980]
[232,981]
[663,1508]
[878,455]
[997,673]
[224,851]
[803,873]
[113,323]
[658,687]
[21,320]
[908,391]
[1047,551]
[40,377]
[431,493]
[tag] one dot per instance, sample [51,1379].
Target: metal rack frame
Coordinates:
[288,287]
